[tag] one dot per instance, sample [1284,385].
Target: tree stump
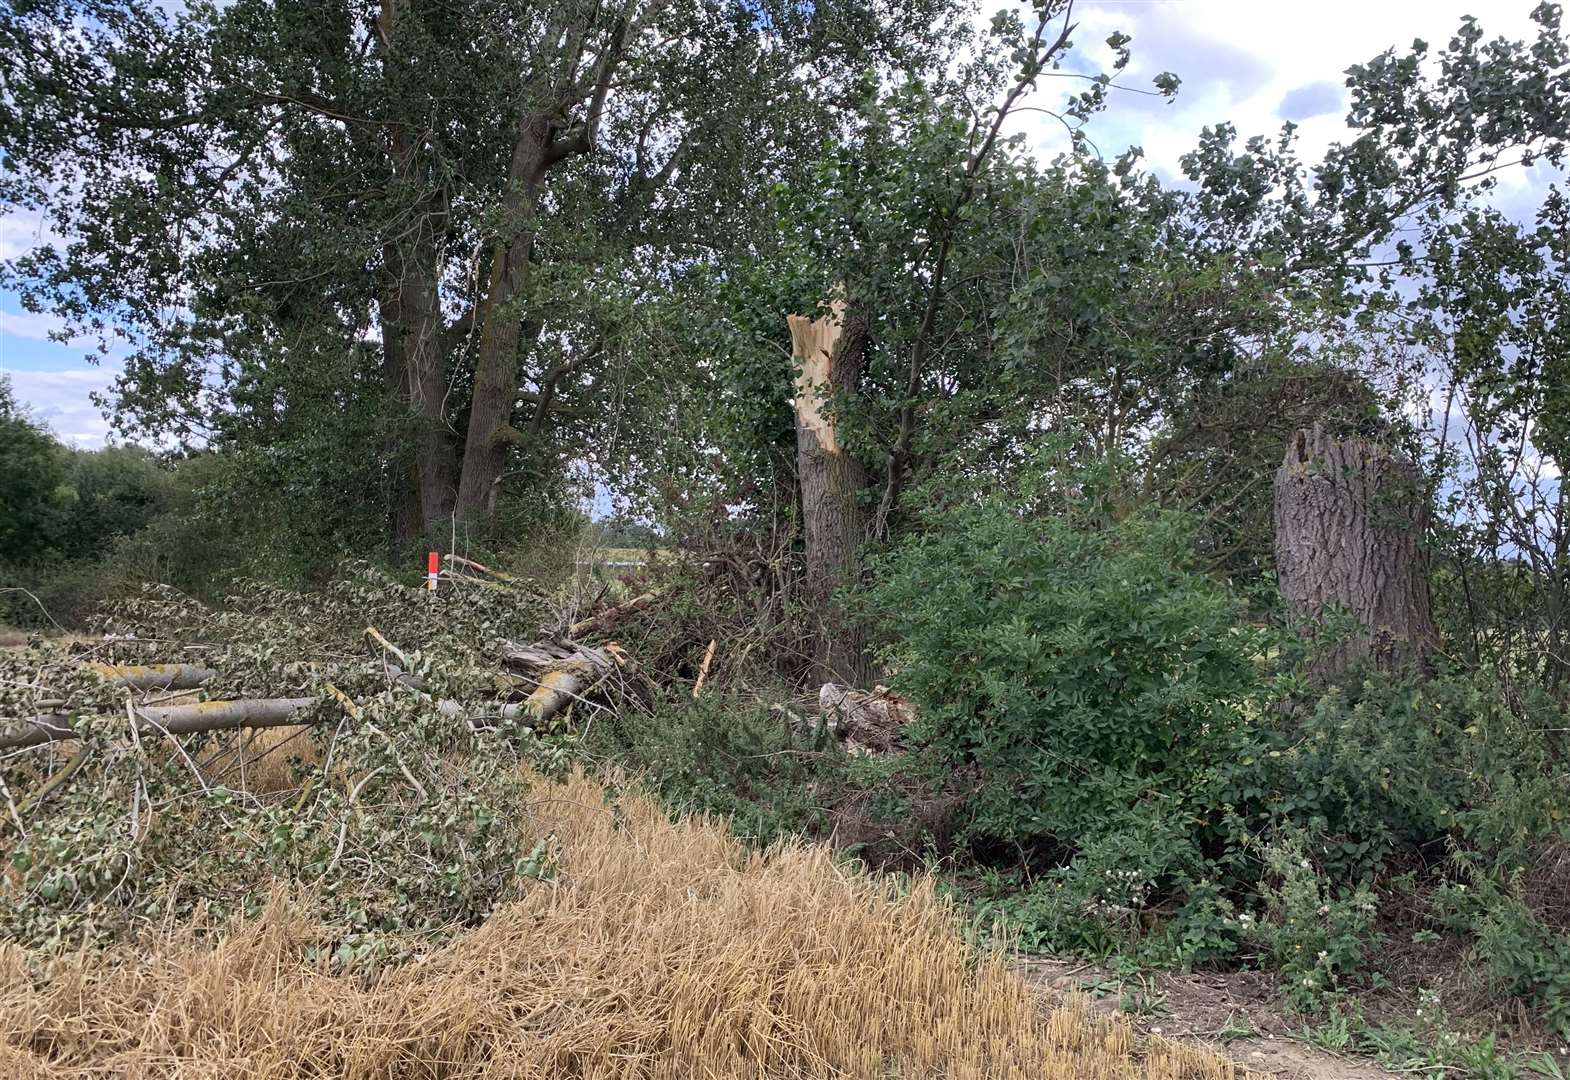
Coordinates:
[1350,519]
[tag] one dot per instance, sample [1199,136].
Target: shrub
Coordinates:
[1097,680]
[719,755]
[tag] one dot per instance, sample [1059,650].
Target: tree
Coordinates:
[489,192]
[31,471]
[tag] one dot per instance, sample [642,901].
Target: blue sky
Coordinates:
[1252,62]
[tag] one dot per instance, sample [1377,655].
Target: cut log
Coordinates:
[155,676]
[174,719]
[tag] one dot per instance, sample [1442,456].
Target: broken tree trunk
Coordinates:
[831,351]
[1350,520]
[561,673]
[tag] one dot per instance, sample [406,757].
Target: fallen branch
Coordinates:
[55,782]
[155,676]
[470,564]
[607,619]
[703,670]
[376,636]
[172,720]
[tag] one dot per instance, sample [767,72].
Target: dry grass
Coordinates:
[658,950]
[258,760]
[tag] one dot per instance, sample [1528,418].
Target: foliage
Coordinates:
[1315,934]
[408,828]
[1097,681]
[30,473]
[724,756]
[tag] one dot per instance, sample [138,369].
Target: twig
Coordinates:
[16,815]
[57,781]
[358,714]
[376,636]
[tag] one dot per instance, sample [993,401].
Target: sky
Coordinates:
[1255,63]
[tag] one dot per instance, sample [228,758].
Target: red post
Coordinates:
[433,566]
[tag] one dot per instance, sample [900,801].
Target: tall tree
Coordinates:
[486,190]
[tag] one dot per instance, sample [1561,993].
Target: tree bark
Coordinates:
[413,327]
[1350,521]
[496,372]
[831,351]
[542,142]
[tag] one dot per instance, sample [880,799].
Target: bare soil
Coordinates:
[1237,1014]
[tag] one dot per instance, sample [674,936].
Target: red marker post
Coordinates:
[433,566]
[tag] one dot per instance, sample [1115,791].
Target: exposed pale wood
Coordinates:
[813,342]
[832,352]
[703,669]
[870,720]
[470,564]
[562,673]
[605,620]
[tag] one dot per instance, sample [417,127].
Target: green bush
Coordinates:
[719,755]
[1100,684]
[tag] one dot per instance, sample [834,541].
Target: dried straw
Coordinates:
[659,950]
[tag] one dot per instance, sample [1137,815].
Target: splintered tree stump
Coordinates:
[1350,521]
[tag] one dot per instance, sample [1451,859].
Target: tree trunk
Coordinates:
[412,328]
[1350,521]
[405,521]
[412,323]
[831,351]
[496,372]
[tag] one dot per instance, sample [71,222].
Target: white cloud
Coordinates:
[37,326]
[61,399]
[1242,60]
[21,231]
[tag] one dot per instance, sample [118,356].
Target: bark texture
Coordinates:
[832,351]
[1350,520]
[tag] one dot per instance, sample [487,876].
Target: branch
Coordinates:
[899,453]
[582,136]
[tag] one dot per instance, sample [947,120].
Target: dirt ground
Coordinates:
[1238,1014]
